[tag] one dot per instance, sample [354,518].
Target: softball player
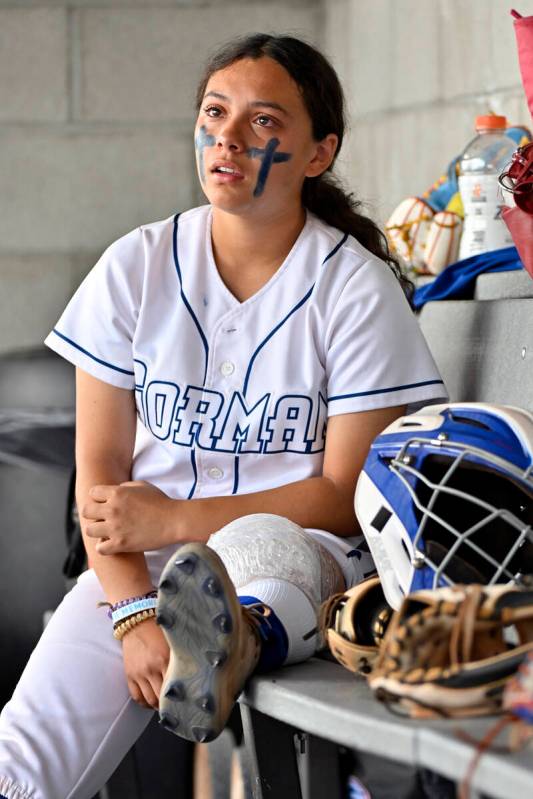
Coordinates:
[211,350]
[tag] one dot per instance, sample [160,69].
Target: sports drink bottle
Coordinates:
[482,161]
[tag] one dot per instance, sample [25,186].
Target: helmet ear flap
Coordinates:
[387,539]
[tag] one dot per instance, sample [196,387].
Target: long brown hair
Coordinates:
[324,99]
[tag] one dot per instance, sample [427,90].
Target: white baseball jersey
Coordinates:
[234,397]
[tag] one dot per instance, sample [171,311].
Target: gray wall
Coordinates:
[96,120]
[417,73]
[96,100]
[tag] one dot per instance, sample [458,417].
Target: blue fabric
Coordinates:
[457,281]
[274,639]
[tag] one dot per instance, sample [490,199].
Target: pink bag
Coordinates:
[519,177]
[520,225]
[523,27]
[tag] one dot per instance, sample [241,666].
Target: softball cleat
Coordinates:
[214,643]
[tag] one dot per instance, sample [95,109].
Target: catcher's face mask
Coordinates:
[446,496]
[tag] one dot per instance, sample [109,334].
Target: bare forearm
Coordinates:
[122,575]
[315,502]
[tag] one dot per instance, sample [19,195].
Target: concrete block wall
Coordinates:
[96,115]
[96,122]
[416,74]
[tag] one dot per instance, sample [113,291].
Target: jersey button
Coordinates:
[227,368]
[215,473]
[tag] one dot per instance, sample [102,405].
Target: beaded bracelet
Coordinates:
[137,606]
[124,627]
[115,606]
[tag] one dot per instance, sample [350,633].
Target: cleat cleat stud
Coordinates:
[187,563]
[202,735]
[169,586]
[168,722]
[212,587]
[223,623]
[176,691]
[165,619]
[206,703]
[216,659]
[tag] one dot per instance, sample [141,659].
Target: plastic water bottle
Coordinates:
[483,160]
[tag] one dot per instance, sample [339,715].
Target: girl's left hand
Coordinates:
[130,517]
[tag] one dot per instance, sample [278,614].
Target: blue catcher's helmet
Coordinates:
[446,496]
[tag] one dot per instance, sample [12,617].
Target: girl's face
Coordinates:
[254,142]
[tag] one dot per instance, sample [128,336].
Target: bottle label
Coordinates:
[479,191]
[484,228]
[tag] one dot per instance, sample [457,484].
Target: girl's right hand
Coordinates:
[146,655]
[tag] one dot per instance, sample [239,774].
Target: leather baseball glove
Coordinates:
[451,651]
[353,624]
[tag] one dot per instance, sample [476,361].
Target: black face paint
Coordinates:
[203,140]
[268,157]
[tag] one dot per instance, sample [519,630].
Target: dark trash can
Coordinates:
[36,462]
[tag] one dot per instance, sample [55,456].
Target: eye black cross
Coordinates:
[203,140]
[268,157]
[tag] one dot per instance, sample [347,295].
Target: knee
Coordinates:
[264,524]
[264,545]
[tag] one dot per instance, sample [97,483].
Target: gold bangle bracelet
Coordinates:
[132,621]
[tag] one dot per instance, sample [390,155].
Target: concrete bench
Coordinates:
[297,720]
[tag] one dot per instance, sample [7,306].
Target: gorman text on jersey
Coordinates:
[193,416]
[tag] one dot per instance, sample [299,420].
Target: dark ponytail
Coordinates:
[324,100]
[326,198]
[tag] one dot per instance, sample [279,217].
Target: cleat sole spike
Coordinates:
[169,586]
[165,619]
[206,703]
[169,722]
[223,623]
[187,563]
[176,691]
[212,587]
[216,659]
[202,735]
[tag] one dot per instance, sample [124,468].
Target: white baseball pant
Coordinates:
[71,719]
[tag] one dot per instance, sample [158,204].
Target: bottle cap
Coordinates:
[492,121]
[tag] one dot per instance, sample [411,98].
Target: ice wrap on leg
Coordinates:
[279,563]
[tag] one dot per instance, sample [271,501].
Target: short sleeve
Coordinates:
[96,329]
[376,354]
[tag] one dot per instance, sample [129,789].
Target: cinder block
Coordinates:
[144,64]
[503,56]
[35,289]
[385,52]
[464,51]
[357,166]
[511,104]
[81,263]
[33,64]
[64,192]
[415,75]
[514,106]
[359,38]
[478,47]
[139,3]
[403,154]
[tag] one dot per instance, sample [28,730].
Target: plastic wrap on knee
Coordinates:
[263,545]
